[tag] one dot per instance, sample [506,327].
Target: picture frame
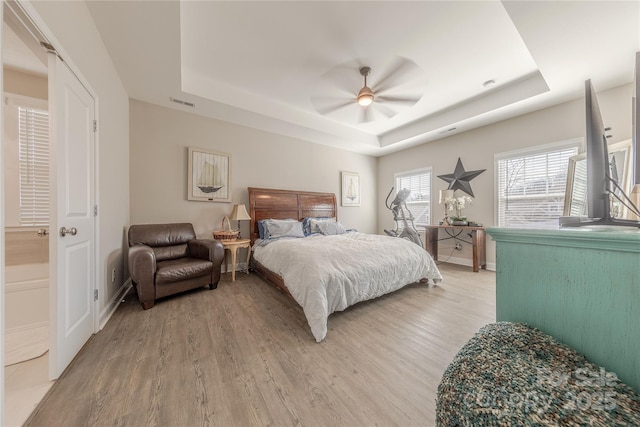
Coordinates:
[209,176]
[350,194]
[575,199]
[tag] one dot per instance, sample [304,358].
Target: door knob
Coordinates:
[64,231]
[43,232]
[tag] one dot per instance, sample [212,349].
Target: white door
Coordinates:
[71,259]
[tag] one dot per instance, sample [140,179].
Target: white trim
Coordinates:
[25,229]
[27,285]
[535,149]
[98,283]
[2,299]
[240,266]
[13,99]
[491,266]
[114,303]
[412,172]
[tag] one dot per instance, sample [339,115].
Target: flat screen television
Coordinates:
[600,185]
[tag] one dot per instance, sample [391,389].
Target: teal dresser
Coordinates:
[581,286]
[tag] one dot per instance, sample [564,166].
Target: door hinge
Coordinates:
[95,295]
[95,126]
[95,210]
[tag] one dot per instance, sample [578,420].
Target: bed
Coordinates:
[328,273]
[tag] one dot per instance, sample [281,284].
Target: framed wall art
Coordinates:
[209,176]
[350,189]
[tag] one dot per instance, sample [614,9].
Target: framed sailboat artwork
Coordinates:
[209,176]
[350,189]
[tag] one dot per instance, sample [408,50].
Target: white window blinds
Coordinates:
[531,186]
[33,140]
[419,202]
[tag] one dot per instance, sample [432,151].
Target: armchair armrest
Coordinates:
[209,249]
[142,269]
[212,250]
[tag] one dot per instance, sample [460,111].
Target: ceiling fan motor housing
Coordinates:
[365,96]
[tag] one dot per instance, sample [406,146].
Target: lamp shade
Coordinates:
[445,195]
[239,213]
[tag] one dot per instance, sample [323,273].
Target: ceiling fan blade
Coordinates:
[327,105]
[399,99]
[400,68]
[386,110]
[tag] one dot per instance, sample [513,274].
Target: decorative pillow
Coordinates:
[274,228]
[329,228]
[310,224]
[261,228]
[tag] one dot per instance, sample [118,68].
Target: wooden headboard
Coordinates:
[266,203]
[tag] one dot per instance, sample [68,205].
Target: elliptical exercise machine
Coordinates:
[398,206]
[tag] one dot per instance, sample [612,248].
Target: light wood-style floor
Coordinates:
[243,355]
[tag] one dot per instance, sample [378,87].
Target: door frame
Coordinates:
[40,28]
[2,310]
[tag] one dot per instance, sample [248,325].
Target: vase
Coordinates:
[459,223]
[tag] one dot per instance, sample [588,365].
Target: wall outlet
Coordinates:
[113,275]
[458,246]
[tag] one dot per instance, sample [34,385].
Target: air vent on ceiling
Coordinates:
[448,130]
[179,101]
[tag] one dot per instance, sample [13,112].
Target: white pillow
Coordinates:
[314,224]
[275,228]
[330,228]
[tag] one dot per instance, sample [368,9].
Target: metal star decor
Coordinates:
[459,179]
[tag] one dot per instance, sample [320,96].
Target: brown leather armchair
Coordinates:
[165,259]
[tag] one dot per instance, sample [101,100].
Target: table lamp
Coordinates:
[239,213]
[445,196]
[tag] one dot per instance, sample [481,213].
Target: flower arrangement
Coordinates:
[457,204]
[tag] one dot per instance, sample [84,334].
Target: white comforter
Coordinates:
[329,273]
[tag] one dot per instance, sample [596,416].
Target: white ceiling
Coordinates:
[273,65]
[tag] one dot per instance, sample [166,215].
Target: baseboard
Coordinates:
[491,266]
[113,303]
[25,342]
[240,266]
[26,285]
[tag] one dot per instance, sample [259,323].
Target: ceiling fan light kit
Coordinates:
[365,96]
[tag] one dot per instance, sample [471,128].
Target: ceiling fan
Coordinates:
[365,96]
[389,94]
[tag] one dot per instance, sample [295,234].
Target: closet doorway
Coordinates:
[65,307]
[26,214]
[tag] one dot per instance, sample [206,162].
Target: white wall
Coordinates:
[477,148]
[72,25]
[159,141]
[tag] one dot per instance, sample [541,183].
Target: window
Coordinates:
[419,201]
[33,141]
[531,184]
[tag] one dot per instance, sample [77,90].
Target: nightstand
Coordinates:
[233,246]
